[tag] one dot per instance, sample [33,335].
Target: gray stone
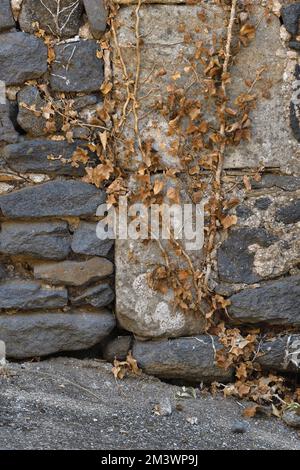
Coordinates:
[76,67]
[2,353]
[147,311]
[31,120]
[74,273]
[54,198]
[45,240]
[235,261]
[62,22]
[3,273]
[81,102]
[243,212]
[285,182]
[263,203]
[117,348]
[40,334]
[97,15]
[290,16]
[189,359]
[289,214]
[85,241]
[274,302]
[8,133]
[22,57]
[27,295]
[97,296]
[44,156]
[280,354]
[292,417]
[239,427]
[6,17]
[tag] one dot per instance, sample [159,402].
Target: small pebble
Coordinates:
[239,427]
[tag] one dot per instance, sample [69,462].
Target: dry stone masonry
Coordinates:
[56,290]
[56,277]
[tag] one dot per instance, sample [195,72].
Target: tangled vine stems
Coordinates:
[218,173]
[199,276]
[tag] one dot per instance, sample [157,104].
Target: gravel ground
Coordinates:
[66,403]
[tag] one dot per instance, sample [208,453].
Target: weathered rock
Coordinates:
[263,203]
[8,133]
[235,261]
[2,354]
[97,296]
[27,295]
[148,312]
[85,241]
[3,273]
[281,354]
[45,240]
[117,348]
[163,46]
[22,57]
[292,417]
[44,156]
[97,16]
[289,214]
[275,302]
[268,136]
[40,334]
[285,182]
[290,15]
[62,22]
[76,67]
[243,212]
[30,115]
[6,17]
[53,198]
[189,359]
[74,273]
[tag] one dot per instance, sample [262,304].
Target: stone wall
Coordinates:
[56,289]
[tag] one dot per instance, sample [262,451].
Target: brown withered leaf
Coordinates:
[228,221]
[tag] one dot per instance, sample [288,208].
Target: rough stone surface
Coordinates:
[22,57]
[8,133]
[140,309]
[2,353]
[85,241]
[97,296]
[163,47]
[76,67]
[235,261]
[97,16]
[30,115]
[44,156]
[284,182]
[27,295]
[281,354]
[45,240]
[190,359]
[292,417]
[6,17]
[275,302]
[289,214]
[54,198]
[63,22]
[269,135]
[290,15]
[74,273]
[40,334]
[117,348]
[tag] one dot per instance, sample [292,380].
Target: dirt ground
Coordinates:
[66,403]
